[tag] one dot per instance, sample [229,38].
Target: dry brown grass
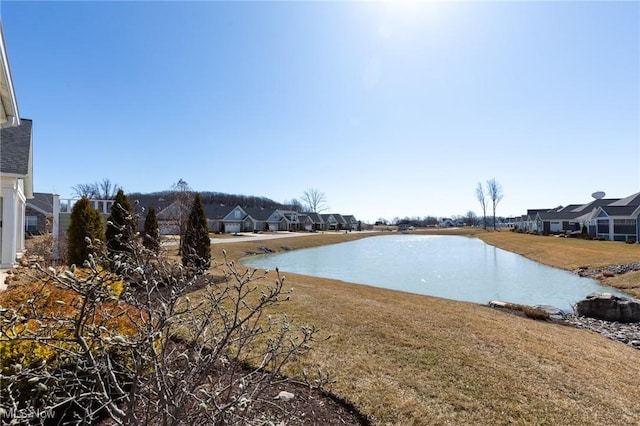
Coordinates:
[564,253]
[406,359]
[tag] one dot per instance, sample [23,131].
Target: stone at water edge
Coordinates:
[606,306]
[554,313]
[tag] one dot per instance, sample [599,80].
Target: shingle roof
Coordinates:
[316,217]
[217,211]
[570,207]
[595,204]
[631,200]
[619,210]
[559,215]
[42,202]
[142,202]
[15,148]
[259,213]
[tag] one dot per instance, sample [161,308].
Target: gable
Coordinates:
[41,202]
[236,214]
[274,217]
[15,145]
[172,212]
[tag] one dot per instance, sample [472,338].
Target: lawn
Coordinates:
[405,359]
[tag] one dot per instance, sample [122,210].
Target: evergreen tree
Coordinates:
[151,238]
[121,226]
[196,247]
[86,222]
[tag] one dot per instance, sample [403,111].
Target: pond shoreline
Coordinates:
[628,334]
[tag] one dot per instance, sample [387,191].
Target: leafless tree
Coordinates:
[104,190]
[480,195]
[295,205]
[471,218]
[178,212]
[495,193]
[314,200]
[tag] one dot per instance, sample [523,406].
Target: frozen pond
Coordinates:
[453,267]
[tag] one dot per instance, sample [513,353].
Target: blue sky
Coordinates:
[391,109]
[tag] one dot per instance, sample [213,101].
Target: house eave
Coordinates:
[9,115]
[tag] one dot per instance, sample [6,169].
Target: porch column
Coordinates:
[9,224]
[610,229]
[55,226]
[22,207]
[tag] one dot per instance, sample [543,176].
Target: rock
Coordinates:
[554,313]
[606,306]
[285,396]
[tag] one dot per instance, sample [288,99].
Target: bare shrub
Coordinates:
[156,353]
[529,311]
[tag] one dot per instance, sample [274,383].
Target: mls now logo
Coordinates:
[25,414]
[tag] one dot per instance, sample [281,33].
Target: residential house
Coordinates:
[530,221]
[334,221]
[171,217]
[351,221]
[39,213]
[16,165]
[617,220]
[609,218]
[216,213]
[141,204]
[311,222]
[446,222]
[16,186]
[258,219]
[237,220]
[283,220]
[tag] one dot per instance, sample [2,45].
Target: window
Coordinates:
[624,226]
[603,226]
[31,223]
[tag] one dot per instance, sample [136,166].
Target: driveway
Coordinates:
[170,240]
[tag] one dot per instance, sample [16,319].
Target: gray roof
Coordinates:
[533,212]
[559,215]
[142,202]
[619,210]
[259,213]
[315,217]
[570,207]
[15,148]
[42,202]
[631,200]
[585,208]
[216,211]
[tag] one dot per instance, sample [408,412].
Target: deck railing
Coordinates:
[103,206]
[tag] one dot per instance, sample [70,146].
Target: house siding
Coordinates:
[41,221]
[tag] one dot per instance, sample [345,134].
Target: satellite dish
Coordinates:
[598,195]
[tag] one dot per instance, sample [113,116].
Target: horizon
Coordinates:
[392,109]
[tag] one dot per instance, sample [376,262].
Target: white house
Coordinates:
[16,166]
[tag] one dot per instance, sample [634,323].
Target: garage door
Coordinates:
[232,228]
